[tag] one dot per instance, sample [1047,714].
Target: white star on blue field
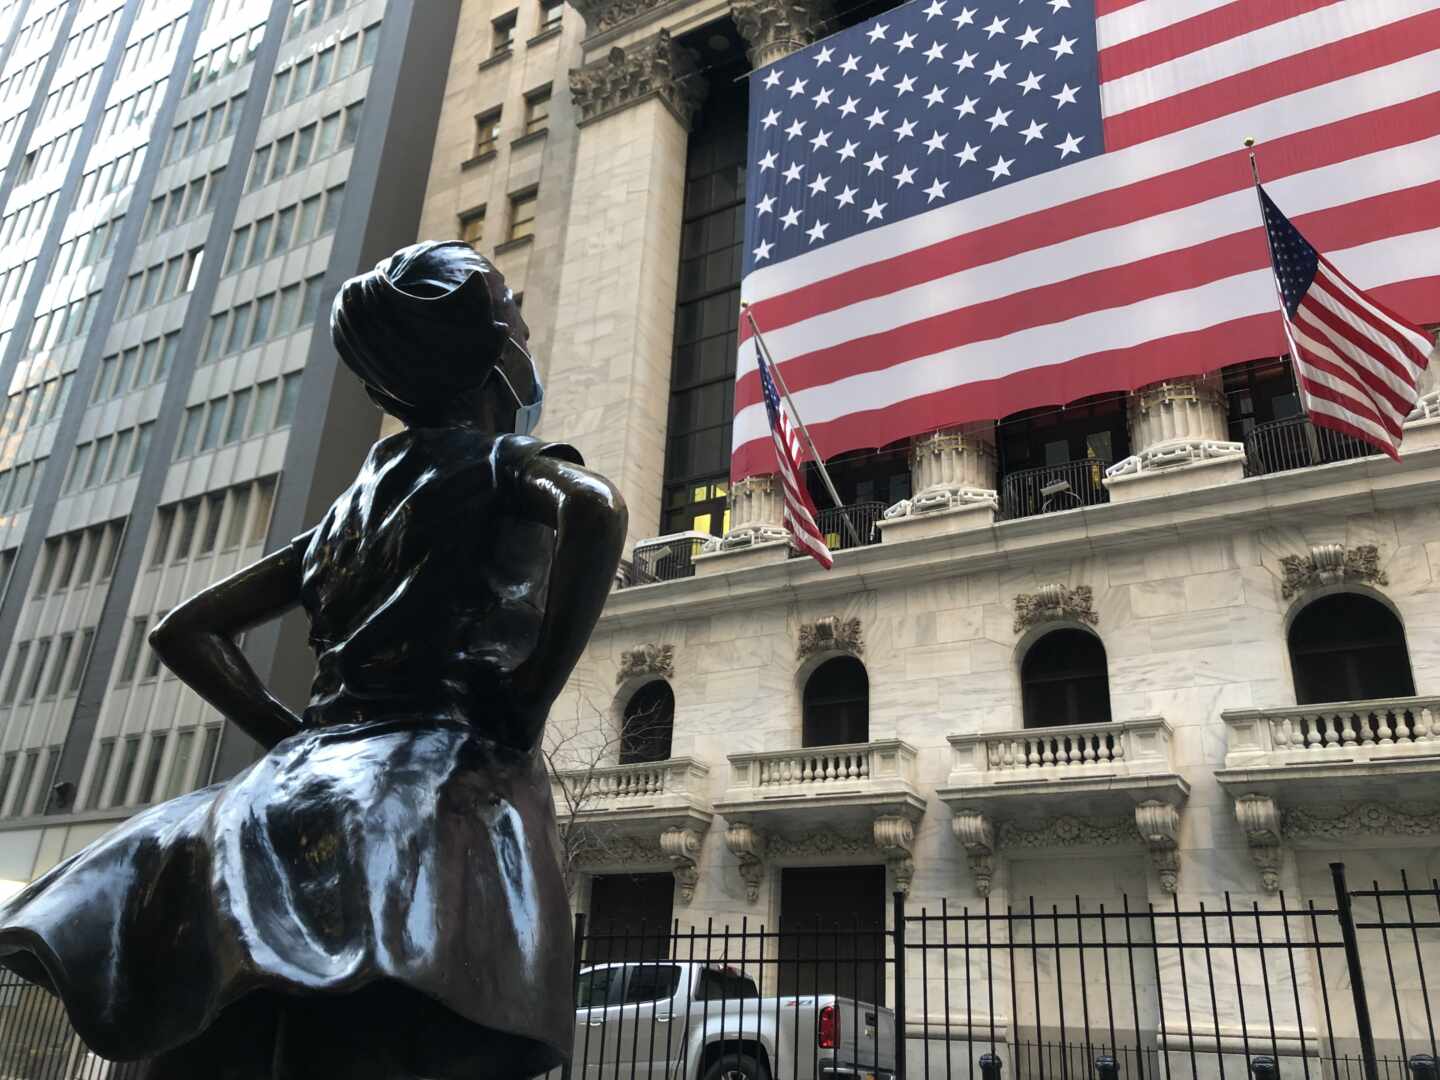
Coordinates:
[925,105]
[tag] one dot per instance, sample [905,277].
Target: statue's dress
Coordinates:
[380,894]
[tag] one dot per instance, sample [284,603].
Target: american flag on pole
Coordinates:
[1357,363]
[966,208]
[799,509]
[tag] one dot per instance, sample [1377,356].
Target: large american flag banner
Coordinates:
[966,208]
[1357,363]
[799,507]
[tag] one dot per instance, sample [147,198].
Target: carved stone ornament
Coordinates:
[1069,832]
[653,68]
[830,634]
[1054,602]
[821,843]
[602,15]
[682,848]
[776,28]
[1331,564]
[747,843]
[1259,820]
[1360,819]
[613,850]
[895,837]
[651,659]
[1159,826]
[977,836]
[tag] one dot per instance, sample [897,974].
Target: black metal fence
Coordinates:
[1270,990]
[864,518]
[1026,492]
[1295,443]
[665,558]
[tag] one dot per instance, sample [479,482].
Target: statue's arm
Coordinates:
[197,642]
[589,519]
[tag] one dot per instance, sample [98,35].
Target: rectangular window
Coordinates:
[113,532]
[472,226]
[522,215]
[289,396]
[264,406]
[324,67]
[151,779]
[239,326]
[285,229]
[164,527]
[239,411]
[350,129]
[264,311]
[152,664]
[537,110]
[180,764]
[189,517]
[259,167]
[49,556]
[239,246]
[17,672]
[304,146]
[103,757]
[99,461]
[240,507]
[301,85]
[120,459]
[329,136]
[214,511]
[68,552]
[189,431]
[280,91]
[287,309]
[27,777]
[551,12]
[62,661]
[487,132]
[142,448]
[280,165]
[7,773]
[334,200]
[260,247]
[264,503]
[131,659]
[42,654]
[120,793]
[208,753]
[79,466]
[349,55]
[214,424]
[91,539]
[232,114]
[314,289]
[371,45]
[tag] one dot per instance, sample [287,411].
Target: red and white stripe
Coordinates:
[1357,362]
[799,509]
[1143,263]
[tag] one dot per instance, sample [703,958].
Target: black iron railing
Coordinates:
[1282,445]
[864,516]
[665,558]
[1026,492]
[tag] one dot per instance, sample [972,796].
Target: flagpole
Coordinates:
[795,413]
[1279,297]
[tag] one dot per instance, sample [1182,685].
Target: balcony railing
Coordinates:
[1353,730]
[813,769]
[1026,492]
[665,558]
[864,516]
[621,787]
[1061,752]
[1282,445]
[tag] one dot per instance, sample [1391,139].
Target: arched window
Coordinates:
[648,724]
[1348,647]
[1064,680]
[837,703]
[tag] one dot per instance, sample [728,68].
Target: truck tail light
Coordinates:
[828,1036]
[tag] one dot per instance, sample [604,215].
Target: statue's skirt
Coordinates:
[384,892]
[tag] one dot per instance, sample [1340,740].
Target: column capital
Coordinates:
[654,68]
[776,28]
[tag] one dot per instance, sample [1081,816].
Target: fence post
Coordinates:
[901,1037]
[1106,1068]
[1357,976]
[1264,1067]
[575,984]
[1422,1067]
[990,1066]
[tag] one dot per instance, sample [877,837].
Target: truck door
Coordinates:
[599,1001]
[652,1023]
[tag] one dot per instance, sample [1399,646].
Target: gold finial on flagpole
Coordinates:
[1254,171]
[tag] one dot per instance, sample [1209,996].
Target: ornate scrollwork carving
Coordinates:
[655,67]
[595,851]
[1331,564]
[776,28]
[977,836]
[830,634]
[1052,602]
[1069,832]
[748,845]
[1158,824]
[650,659]
[895,837]
[1259,820]
[682,848]
[1359,819]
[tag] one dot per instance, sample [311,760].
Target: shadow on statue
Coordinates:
[379,896]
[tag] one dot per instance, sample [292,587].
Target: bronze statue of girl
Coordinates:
[379,896]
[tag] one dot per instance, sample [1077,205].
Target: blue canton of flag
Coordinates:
[928,104]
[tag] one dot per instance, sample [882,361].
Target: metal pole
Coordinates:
[1264,1067]
[575,984]
[1357,976]
[804,432]
[1270,248]
[898,935]
[1106,1068]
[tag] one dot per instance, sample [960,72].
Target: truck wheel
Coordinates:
[737,1067]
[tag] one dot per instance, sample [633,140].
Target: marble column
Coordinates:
[609,381]
[774,29]
[952,480]
[1179,424]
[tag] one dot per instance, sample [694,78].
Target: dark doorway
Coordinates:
[630,917]
[837,704]
[833,931]
[648,725]
[1064,680]
[1348,647]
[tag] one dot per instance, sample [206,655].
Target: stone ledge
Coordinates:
[514,245]
[741,558]
[976,515]
[529,137]
[495,59]
[1150,483]
[478,160]
[549,32]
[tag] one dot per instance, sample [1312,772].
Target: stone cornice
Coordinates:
[1280,500]
[653,68]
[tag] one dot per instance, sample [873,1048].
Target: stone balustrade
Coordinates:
[621,786]
[1353,729]
[823,766]
[1037,754]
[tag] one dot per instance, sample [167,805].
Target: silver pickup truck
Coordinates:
[661,1020]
